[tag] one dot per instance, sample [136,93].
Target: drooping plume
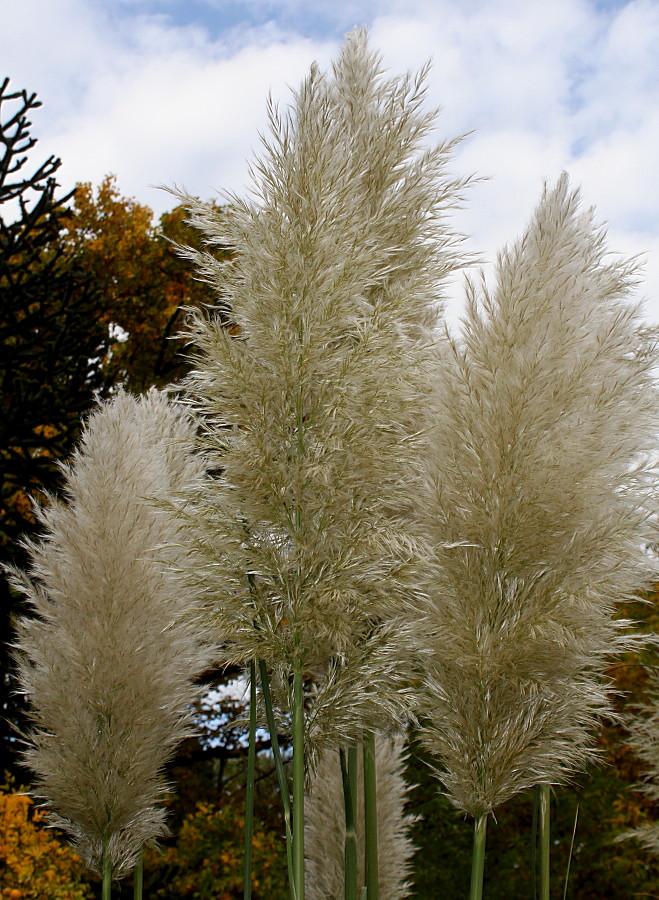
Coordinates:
[325,826]
[312,399]
[542,485]
[109,658]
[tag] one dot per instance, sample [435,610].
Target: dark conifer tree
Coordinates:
[52,343]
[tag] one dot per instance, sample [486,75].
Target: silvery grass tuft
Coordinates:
[542,485]
[109,658]
[325,826]
[311,400]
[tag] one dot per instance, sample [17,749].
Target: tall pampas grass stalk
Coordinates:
[325,826]
[543,482]
[109,656]
[310,401]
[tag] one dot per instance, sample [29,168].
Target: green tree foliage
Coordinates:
[600,868]
[210,774]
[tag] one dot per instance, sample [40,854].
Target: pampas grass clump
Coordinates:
[310,401]
[325,826]
[109,658]
[542,487]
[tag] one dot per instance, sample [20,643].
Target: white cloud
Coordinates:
[566,85]
[151,102]
[171,118]
[547,87]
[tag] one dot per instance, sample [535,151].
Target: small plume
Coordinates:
[109,658]
[325,826]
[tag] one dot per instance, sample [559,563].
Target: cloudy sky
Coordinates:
[173,91]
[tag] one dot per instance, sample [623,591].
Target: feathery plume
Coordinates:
[109,659]
[311,402]
[325,825]
[543,482]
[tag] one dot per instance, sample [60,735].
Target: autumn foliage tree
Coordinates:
[144,286]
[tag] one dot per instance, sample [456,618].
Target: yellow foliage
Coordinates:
[207,861]
[34,864]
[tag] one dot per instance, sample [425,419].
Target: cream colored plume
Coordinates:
[312,401]
[325,825]
[109,657]
[543,484]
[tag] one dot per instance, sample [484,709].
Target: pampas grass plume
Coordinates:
[109,656]
[311,402]
[543,485]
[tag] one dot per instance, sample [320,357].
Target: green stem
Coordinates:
[249,792]
[138,877]
[107,874]
[348,775]
[281,775]
[372,867]
[298,784]
[544,841]
[478,858]
[534,840]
